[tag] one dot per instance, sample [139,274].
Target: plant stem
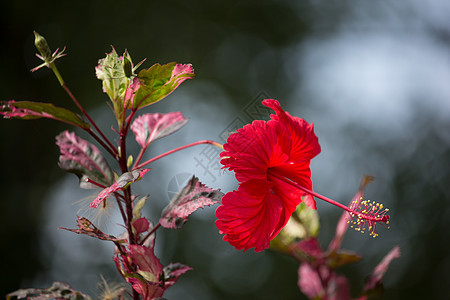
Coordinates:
[127,215]
[178,149]
[110,147]
[95,183]
[119,204]
[139,158]
[57,74]
[150,233]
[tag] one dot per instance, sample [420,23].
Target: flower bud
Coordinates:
[42,46]
[127,65]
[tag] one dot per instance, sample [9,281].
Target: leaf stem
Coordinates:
[139,158]
[178,149]
[150,233]
[119,204]
[109,147]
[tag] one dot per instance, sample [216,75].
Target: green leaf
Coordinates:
[110,71]
[138,207]
[115,80]
[308,218]
[35,110]
[303,224]
[159,81]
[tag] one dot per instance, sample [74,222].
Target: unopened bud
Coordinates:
[129,161]
[127,65]
[42,46]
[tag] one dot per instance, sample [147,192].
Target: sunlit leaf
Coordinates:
[159,81]
[193,196]
[118,79]
[152,126]
[35,110]
[84,159]
[122,182]
[87,227]
[58,290]
[111,72]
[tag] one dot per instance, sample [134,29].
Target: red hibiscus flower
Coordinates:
[271,161]
[260,154]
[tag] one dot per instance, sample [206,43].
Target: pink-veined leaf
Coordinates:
[152,126]
[193,196]
[172,272]
[159,81]
[131,92]
[374,284]
[35,110]
[122,182]
[309,249]
[150,269]
[87,227]
[339,288]
[144,258]
[58,290]
[311,279]
[141,225]
[84,159]
[148,264]
[148,290]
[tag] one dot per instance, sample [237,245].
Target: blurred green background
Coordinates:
[374,77]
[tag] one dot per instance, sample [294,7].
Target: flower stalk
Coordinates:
[139,166]
[365,212]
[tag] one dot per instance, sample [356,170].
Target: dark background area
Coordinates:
[373,77]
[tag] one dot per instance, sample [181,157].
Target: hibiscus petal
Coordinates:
[305,144]
[250,216]
[301,174]
[251,150]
